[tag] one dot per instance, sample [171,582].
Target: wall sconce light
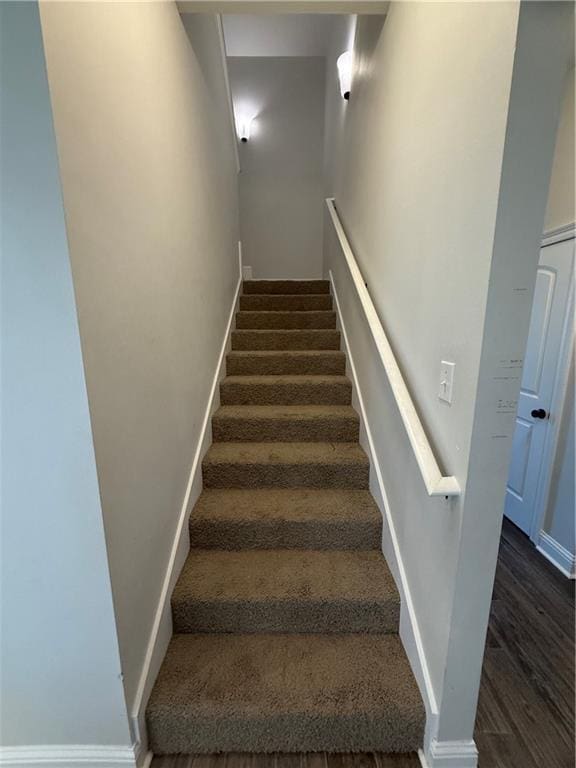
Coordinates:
[344,64]
[244,128]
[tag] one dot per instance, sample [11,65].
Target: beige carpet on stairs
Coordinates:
[285,614]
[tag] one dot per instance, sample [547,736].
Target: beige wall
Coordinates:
[281,178]
[437,141]
[149,181]
[560,209]
[60,680]
[423,233]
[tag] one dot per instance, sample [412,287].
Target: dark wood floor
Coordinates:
[526,707]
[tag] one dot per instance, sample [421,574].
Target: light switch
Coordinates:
[446,381]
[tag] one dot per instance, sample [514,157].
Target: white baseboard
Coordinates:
[143,756]
[68,756]
[409,631]
[162,627]
[558,555]
[449,754]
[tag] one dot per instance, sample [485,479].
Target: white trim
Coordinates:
[559,234]
[68,756]
[224,56]
[449,754]
[162,627]
[409,629]
[143,756]
[436,483]
[559,391]
[558,555]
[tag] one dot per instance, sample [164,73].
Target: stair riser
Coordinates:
[285,320]
[328,430]
[286,616]
[235,535]
[314,475]
[288,340]
[238,393]
[281,733]
[286,286]
[334,365]
[277,303]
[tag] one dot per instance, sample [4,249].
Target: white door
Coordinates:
[538,378]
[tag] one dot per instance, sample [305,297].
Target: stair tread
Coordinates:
[285,574]
[292,302]
[285,412]
[286,338]
[285,693]
[287,378]
[264,353]
[276,312]
[285,362]
[295,504]
[290,331]
[283,453]
[286,320]
[286,295]
[286,286]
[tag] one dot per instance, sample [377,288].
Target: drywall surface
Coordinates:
[149,183]
[560,209]
[559,520]
[335,106]
[277,34]
[543,50]
[281,196]
[423,237]
[60,665]
[418,186]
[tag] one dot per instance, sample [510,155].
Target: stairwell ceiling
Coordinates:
[278,34]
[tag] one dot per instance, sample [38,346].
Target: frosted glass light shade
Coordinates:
[244,128]
[344,64]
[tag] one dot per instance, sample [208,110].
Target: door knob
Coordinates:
[539,413]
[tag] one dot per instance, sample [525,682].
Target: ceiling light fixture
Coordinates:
[344,64]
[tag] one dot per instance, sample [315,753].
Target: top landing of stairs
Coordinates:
[290,287]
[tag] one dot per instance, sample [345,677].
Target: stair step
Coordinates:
[293,362]
[283,590]
[277,519]
[302,302]
[286,390]
[285,693]
[286,423]
[285,320]
[285,465]
[286,286]
[300,339]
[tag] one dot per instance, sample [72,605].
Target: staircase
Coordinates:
[285,613]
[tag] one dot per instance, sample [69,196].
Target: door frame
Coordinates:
[559,389]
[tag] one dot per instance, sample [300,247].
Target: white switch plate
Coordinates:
[446,381]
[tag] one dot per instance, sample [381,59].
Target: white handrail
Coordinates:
[436,483]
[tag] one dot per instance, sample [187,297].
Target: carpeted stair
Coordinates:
[285,614]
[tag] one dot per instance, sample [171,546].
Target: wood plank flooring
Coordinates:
[526,705]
